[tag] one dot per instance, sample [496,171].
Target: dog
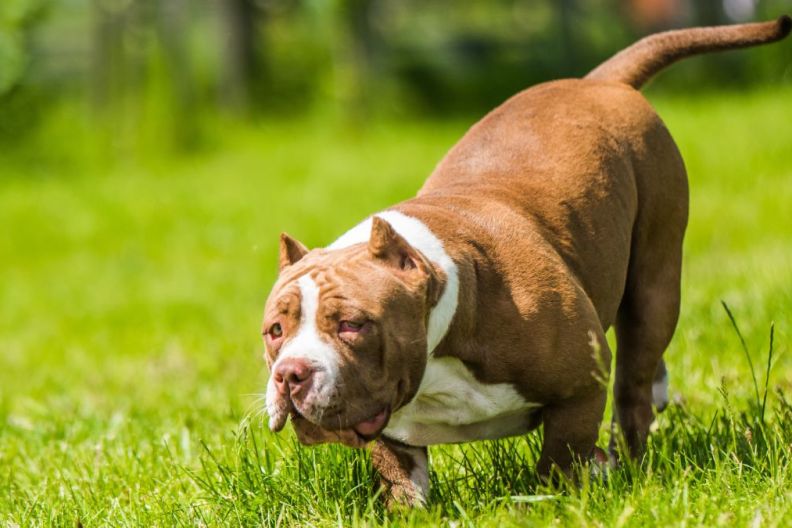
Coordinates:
[478,309]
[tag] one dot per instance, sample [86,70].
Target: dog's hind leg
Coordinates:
[646,321]
[649,308]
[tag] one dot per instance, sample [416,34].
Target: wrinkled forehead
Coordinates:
[285,297]
[348,273]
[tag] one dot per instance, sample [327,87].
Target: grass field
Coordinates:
[130,356]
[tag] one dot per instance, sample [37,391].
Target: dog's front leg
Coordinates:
[404,471]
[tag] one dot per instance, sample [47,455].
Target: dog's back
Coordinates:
[590,157]
[571,159]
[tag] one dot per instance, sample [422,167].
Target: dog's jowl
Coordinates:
[478,309]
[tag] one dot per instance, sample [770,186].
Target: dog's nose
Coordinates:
[293,376]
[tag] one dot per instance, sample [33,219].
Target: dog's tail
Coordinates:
[638,63]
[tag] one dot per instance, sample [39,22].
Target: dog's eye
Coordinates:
[275,331]
[350,326]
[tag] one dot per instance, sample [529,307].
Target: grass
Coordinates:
[130,361]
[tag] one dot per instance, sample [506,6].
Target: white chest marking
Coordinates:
[452,406]
[420,237]
[307,343]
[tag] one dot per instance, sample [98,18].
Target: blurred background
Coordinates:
[151,77]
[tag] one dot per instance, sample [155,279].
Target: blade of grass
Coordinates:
[767,371]
[745,350]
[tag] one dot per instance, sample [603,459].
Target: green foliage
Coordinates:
[154,75]
[16,19]
[130,299]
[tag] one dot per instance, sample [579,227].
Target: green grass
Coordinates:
[130,360]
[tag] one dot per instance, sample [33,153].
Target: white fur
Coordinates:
[419,236]
[660,392]
[277,408]
[452,406]
[308,344]
[419,476]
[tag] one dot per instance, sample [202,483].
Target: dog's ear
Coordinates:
[389,246]
[291,251]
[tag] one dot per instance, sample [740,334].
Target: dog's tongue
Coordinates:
[373,425]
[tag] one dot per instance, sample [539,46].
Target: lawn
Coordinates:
[130,358]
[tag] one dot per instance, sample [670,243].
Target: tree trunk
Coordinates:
[241,66]
[173,26]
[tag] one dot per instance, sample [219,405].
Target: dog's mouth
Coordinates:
[330,424]
[364,431]
[371,428]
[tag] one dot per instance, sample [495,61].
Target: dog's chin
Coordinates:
[358,436]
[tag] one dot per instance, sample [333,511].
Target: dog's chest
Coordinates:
[452,406]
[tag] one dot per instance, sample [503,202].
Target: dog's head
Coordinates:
[346,335]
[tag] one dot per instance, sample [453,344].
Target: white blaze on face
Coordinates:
[307,344]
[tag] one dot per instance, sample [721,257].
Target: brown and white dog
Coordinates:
[474,310]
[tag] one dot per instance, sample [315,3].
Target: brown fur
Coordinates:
[395,463]
[564,210]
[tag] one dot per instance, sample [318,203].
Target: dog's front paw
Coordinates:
[403,494]
[403,471]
